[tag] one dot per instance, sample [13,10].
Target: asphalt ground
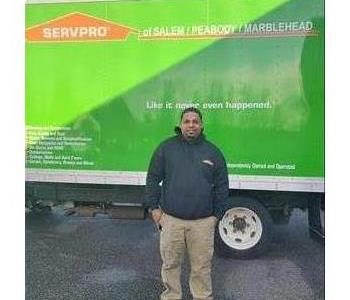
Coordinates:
[70,257]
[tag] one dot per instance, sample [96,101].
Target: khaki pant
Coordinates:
[197,236]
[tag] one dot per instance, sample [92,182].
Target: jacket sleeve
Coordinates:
[155,175]
[221,187]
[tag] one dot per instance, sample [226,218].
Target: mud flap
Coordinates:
[316,219]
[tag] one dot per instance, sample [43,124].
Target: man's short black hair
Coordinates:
[191,109]
[186,110]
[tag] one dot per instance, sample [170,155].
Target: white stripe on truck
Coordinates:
[270,183]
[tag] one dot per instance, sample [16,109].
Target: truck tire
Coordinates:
[245,231]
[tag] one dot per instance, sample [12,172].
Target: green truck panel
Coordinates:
[98,103]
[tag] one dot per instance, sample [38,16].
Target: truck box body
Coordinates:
[97,105]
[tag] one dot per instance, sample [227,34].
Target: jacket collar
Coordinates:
[195,141]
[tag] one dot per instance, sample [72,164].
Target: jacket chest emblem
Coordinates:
[208,162]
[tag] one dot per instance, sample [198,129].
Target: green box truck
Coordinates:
[106,82]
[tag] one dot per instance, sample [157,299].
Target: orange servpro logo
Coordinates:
[77,27]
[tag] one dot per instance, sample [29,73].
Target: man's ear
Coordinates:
[177,130]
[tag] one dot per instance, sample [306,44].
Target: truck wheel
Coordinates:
[245,230]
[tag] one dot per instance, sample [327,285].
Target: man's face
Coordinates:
[191,125]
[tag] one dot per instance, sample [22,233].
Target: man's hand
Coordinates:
[156,215]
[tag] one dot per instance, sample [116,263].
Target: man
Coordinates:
[188,205]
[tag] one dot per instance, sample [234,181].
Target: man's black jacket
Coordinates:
[193,177]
